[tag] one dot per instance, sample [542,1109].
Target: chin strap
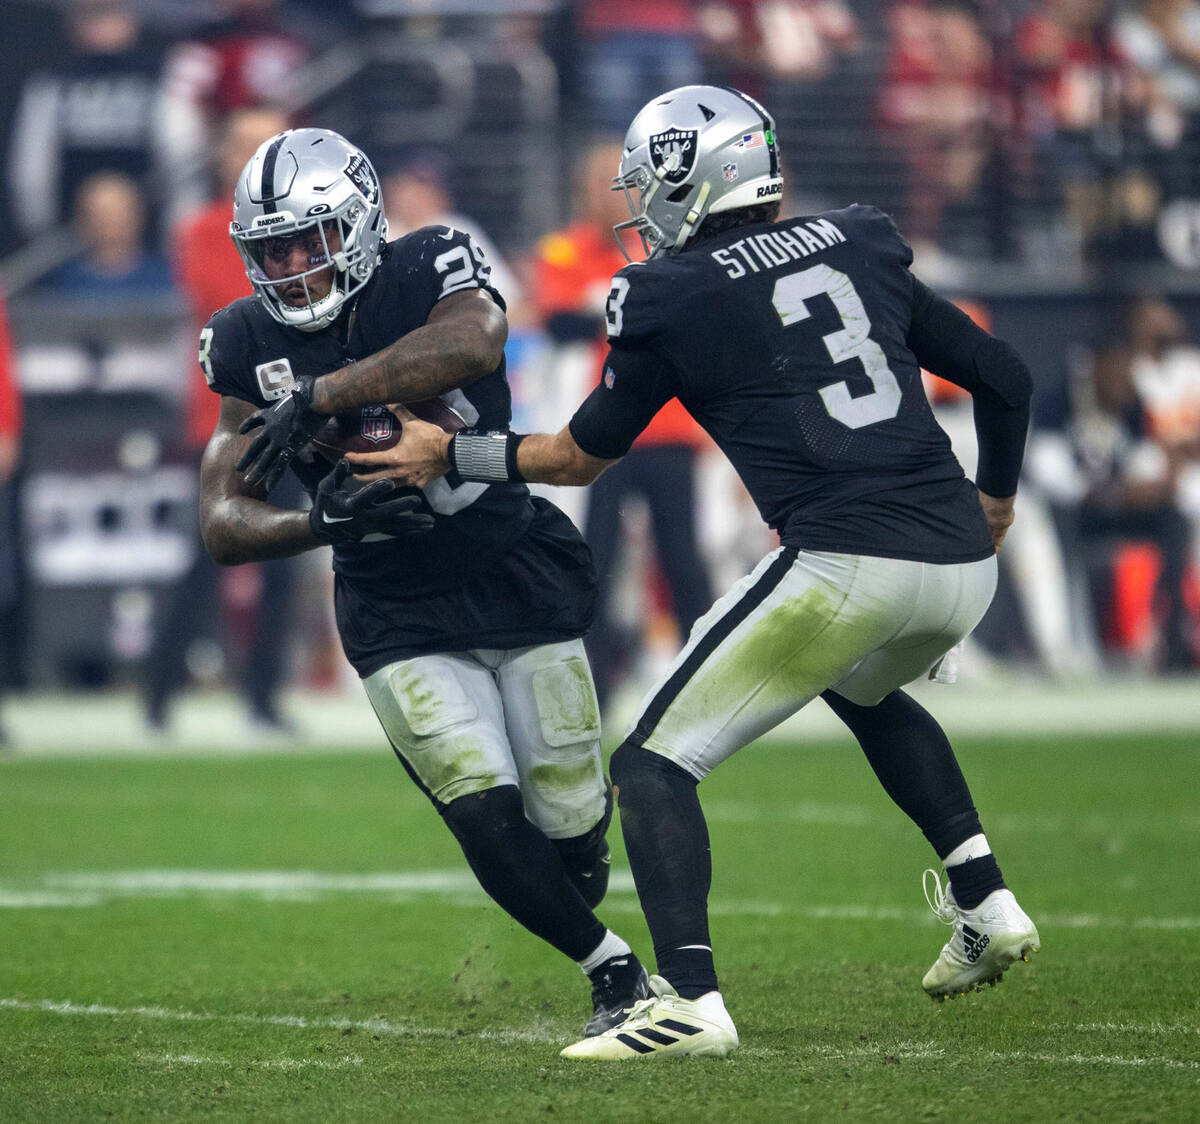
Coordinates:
[695,213]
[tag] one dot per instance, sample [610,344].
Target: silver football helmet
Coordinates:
[693,152]
[308,184]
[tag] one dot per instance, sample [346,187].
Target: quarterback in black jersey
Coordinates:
[797,343]
[461,604]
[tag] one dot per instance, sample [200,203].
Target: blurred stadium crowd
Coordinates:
[1043,156]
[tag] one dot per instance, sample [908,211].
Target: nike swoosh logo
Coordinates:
[327,518]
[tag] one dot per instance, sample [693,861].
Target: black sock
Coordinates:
[973,880]
[690,971]
[586,857]
[667,842]
[915,764]
[521,871]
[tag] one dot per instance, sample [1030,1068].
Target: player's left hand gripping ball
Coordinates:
[346,510]
[285,428]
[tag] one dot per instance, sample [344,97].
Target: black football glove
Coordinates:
[347,511]
[286,428]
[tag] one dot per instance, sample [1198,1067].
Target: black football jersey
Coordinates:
[414,594]
[786,341]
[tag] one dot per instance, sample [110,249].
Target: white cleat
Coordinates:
[665,1024]
[985,943]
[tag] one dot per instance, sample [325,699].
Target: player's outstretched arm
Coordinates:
[461,340]
[544,458]
[236,522]
[425,452]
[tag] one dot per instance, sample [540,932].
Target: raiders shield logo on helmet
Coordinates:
[360,173]
[674,152]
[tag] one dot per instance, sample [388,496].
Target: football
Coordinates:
[376,427]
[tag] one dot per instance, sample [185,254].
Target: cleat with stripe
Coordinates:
[664,1024]
[985,943]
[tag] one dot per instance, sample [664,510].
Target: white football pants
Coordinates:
[464,722]
[803,622]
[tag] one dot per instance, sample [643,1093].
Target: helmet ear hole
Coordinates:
[680,193]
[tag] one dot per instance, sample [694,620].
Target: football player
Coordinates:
[798,344]
[461,605]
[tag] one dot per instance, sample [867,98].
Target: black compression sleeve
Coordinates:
[635,386]
[1001,433]
[946,341]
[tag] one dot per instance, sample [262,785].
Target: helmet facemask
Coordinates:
[647,185]
[334,244]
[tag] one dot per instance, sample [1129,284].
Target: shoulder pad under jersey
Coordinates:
[435,261]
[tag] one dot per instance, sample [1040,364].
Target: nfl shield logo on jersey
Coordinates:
[674,151]
[376,423]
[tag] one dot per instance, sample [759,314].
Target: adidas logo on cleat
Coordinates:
[985,941]
[662,1024]
[974,943]
[655,1036]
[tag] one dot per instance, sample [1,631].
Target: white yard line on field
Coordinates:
[902,1051]
[300,1022]
[1090,1059]
[455,887]
[883,1051]
[344,1062]
[1127,1028]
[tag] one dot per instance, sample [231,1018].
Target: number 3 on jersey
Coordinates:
[850,342]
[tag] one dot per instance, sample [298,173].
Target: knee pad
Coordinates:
[482,816]
[586,857]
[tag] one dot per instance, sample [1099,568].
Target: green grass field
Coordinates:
[296,938]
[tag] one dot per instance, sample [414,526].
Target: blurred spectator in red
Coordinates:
[1083,106]
[934,105]
[631,51]
[793,40]
[99,109]
[211,275]
[416,193]
[574,269]
[11,568]
[114,263]
[250,55]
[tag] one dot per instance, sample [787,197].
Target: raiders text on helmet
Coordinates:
[302,181]
[692,152]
